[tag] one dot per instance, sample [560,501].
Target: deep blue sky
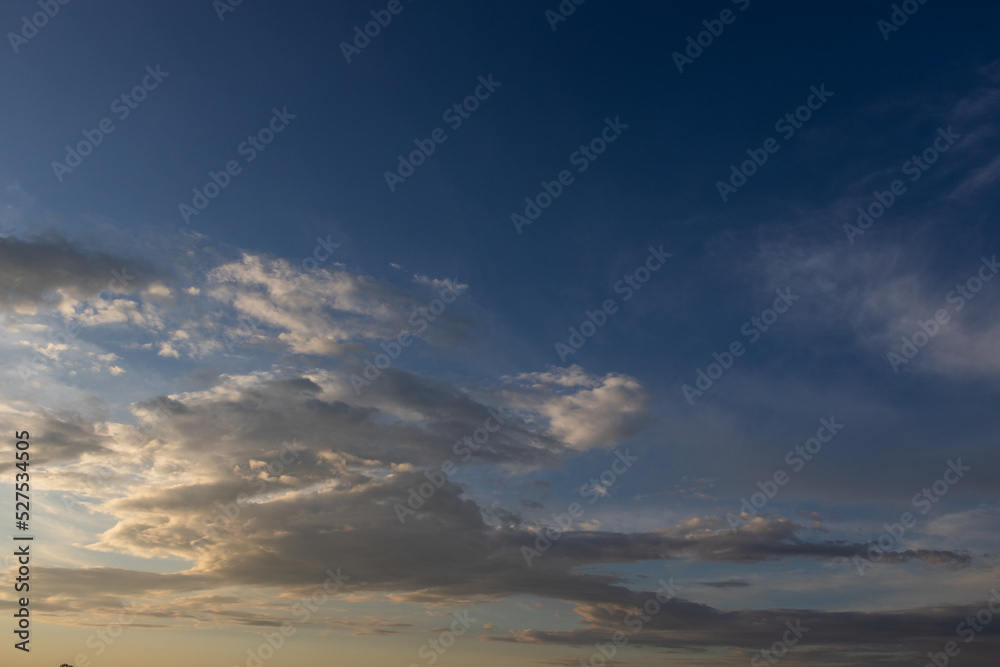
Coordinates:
[655,186]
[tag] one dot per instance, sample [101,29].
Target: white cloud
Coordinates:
[583,410]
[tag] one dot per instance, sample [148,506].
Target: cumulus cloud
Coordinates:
[318,485]
[584,410]
[296,473]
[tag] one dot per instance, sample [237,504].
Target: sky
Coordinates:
[537,333]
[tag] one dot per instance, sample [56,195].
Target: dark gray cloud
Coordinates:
[56,437]
[734,583]
[828,638]
[32,269]
[255,420]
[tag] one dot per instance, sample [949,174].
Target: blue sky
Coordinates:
[164,358]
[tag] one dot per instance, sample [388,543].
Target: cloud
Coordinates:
[733,583]
[66,436]
[827,638]
[327,497]
[327,311]
[52,271]
[881,294]
[584,410]
[297,474]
